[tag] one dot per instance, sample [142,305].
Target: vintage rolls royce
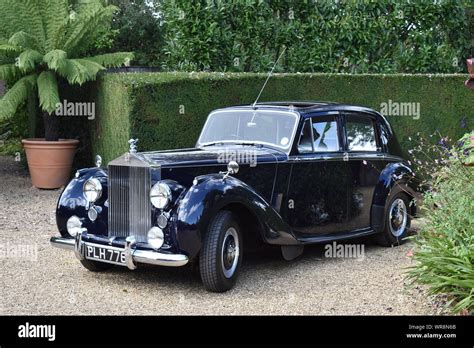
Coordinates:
[281,173]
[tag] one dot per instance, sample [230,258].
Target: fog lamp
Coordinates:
[155,237]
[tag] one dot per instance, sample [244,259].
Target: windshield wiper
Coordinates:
[213,143]
[248,144]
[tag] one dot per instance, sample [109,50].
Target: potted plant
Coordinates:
[45,42]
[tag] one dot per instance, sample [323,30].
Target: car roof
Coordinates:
[304,107]
[309,107]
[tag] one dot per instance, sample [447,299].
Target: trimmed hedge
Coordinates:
[167,110]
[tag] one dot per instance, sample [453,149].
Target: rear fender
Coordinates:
[395,178]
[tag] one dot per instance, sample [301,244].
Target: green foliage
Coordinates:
[16,96]
[48,91]
[137,27]
[444,247]
[45,42]
[148,105]
[387,36]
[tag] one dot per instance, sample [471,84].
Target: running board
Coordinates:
[303,239]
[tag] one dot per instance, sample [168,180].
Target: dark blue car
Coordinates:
[280,173]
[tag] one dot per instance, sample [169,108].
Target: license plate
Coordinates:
[105,254]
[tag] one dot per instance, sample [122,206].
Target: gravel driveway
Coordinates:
[56,283]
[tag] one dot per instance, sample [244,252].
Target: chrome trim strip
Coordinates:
[63,243]
[136,256]
[156,258]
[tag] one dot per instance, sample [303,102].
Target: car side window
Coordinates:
[325,138]
[305,145]
[360,132]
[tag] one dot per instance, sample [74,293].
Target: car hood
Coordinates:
[212,155]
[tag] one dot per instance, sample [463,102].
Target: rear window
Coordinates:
[360,132]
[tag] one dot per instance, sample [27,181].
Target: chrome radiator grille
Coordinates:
[129,202]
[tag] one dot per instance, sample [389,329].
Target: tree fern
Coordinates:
[9,48]
[55,59]
[16,96]
[34,20]
[43,40]
[24,40]
[9,72]
[55,15]
[80,71]
[48,93]
[81,33]
[28,60]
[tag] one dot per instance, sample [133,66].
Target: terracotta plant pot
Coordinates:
[50,162]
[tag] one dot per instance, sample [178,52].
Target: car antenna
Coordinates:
[251,123]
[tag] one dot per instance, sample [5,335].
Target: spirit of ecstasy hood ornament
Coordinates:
[133,145]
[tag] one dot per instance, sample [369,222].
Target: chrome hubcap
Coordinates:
[230,252]
[398,217]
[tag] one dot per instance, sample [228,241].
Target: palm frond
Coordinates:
[28,60]
[16,95]
[55,14]
[48,92]
[11,19]
[9,72]
[22,15]
[82,30]
[55,59]
[7,48]
[113,60]
[34,19]
[80,71]
[88,8]
[22,39]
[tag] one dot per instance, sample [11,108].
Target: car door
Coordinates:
[366,160]
[317,191]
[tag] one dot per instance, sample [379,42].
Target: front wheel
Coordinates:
[221,253]
[397,221]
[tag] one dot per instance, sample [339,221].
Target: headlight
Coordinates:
[160,195]
[92,190]
[74,225]
[155,237]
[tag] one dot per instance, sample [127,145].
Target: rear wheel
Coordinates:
[397,221]
[95,266]
[221,253]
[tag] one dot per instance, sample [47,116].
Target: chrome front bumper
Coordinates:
[132,254]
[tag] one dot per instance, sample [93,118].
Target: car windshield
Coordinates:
[271,127]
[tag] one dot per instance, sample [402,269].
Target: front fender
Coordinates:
[396,177]
[211,193]
[72,202]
